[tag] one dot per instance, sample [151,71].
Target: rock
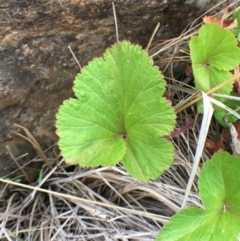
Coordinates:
[37,69]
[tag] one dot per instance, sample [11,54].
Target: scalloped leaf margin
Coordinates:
[119,115]
[219,183]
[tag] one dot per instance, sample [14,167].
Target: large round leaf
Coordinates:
[219,184]
[119,114]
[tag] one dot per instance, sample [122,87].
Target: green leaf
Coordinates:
[119,115]
[213,53]
[237,16]
[220,113]
[219,183]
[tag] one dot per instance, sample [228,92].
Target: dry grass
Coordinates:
[72,203]
[94,204]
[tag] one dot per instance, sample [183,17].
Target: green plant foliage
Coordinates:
[119,115]
[219,184]
[213,53]
[220,113]
[17,180]
[237,30]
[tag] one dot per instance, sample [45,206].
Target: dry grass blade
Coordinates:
[151,39]
[75,58]
[199,97]
[93,204]
[34,143]
[207,116]
[18,165]
[115,21]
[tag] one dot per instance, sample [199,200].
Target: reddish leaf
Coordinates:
[213,147]
[188,71]
[226,133]
[221,21]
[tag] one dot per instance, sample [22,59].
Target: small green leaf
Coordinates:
[220,113]
[17,180]
[119,115]
[213,53]
[219,183]
[237,16]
